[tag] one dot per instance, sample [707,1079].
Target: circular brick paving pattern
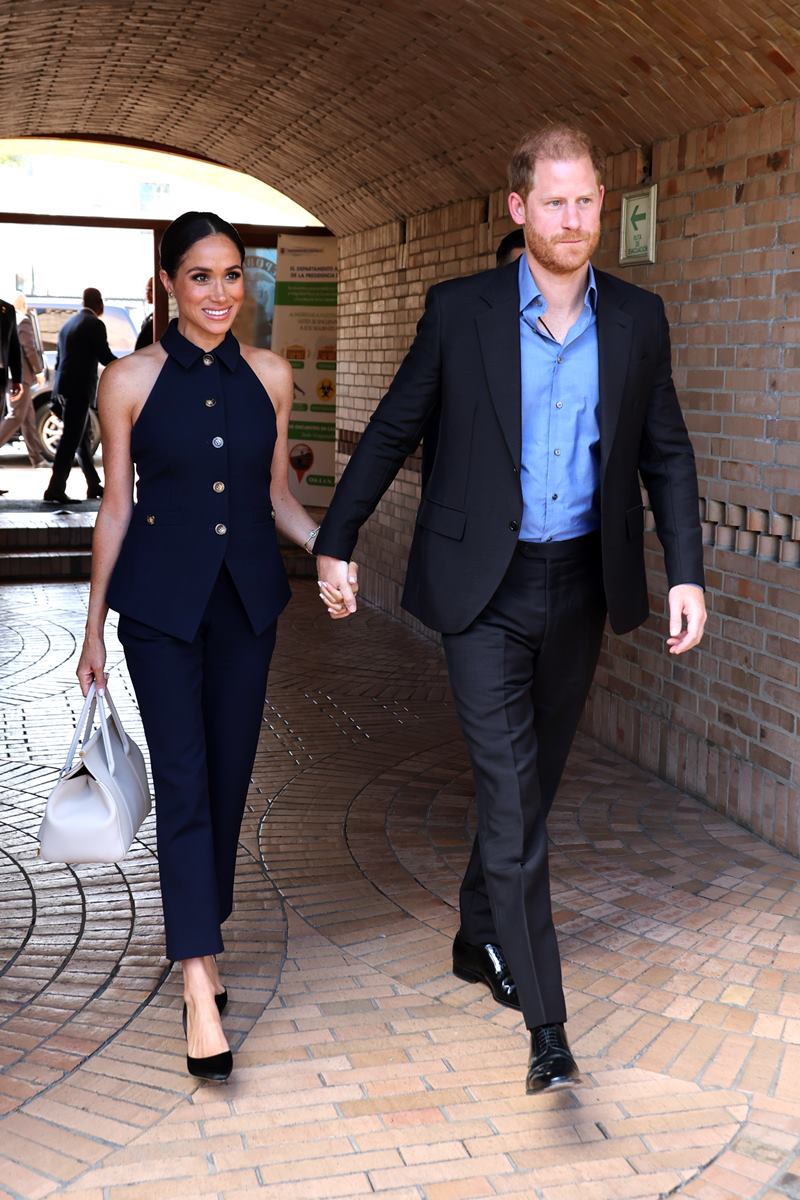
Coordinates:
[362,1064]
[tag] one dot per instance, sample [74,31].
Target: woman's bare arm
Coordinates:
[123,388]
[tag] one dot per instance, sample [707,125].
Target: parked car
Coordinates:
[47,406]
[52,314]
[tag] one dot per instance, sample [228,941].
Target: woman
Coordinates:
[22,417]
[194,570]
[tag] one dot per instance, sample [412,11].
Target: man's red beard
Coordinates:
[568,258]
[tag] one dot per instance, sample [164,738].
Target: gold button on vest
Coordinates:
[210,402]
[219,486]
[150,520]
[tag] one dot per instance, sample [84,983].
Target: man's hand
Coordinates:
[338,585]
[689,602]
[15,390]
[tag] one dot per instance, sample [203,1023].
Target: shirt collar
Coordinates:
[529,291]
[187,354]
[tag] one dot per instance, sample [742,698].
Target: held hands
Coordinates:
[689,602]
[92,664]
[338,586]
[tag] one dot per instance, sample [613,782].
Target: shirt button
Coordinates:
[220,529]
[219,486]
[559,359]
[210,402]
[559,403]
[217,443]
[208,360]
[555,496]
[557,453]
[513,526]
[150,520]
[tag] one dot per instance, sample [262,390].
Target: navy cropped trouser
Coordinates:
[201,704]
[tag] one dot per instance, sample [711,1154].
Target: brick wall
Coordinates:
[723,723]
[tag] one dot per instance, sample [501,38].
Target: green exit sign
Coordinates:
[637,234]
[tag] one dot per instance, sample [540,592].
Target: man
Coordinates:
[22,418]
[145,337]
[510,248]
[556,396]
[10,360]
[82,346]
[10,354]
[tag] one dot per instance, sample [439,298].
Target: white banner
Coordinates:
[304,332]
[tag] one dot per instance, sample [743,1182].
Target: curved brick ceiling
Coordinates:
[363,112]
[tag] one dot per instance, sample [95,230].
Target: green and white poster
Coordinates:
[304,331]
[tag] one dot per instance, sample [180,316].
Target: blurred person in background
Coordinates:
[82,347]
[145,337]
[10,358]
[511,247]
[21,417]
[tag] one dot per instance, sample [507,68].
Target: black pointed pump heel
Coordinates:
[214,1067]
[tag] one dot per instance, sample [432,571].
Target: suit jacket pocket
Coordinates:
[449,522]
[634,522]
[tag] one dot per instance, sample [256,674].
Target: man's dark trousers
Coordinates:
[520,674]
[77,436]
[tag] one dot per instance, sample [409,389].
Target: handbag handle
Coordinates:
[84,723]
[112,708]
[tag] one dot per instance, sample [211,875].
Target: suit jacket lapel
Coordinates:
[498,335]
[614,330]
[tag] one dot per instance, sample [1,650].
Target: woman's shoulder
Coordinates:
[266,359]
[134,371]
[271,368]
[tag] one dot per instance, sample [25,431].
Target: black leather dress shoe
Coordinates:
[95,493]
[54,498]
[485,964]
[551,1064]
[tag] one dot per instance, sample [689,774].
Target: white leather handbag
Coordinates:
[95,809]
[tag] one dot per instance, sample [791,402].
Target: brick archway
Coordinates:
[364,113]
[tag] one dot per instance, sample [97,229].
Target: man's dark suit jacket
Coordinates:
[465,360]
[82,346]
[10,356]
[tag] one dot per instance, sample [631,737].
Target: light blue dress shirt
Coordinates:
[560,473]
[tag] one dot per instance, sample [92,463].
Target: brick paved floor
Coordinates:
[363,1066]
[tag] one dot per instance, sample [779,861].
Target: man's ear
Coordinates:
[516,208]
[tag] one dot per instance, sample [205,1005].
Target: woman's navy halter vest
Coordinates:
[203,447]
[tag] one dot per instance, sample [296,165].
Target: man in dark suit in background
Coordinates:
[145,337]
[510,248]
[82,346]
[555,392]
[10,353]
[10,358]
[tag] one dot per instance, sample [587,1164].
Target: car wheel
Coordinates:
[50,427]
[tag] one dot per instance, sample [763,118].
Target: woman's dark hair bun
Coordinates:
[190,227]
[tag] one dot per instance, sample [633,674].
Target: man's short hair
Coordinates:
[93,300]
[507,245]
[552,143]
